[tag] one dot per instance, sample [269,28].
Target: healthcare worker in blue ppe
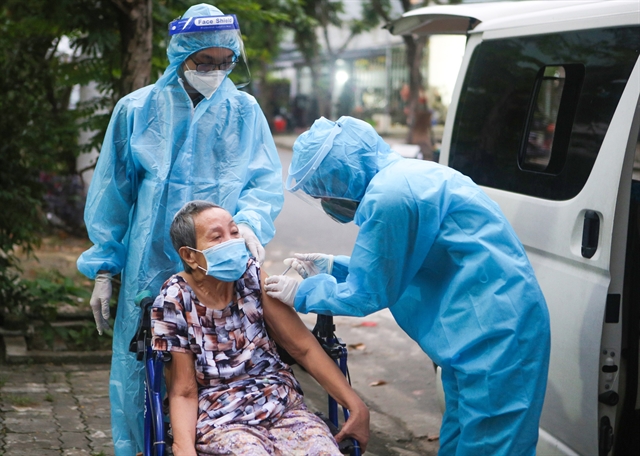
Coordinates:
[436,251]
[191,135]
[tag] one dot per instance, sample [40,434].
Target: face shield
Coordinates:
[221,31]
[341,210]
[303,182]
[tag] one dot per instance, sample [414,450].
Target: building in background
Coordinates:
[369,78]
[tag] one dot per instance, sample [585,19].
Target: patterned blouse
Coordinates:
[240,377]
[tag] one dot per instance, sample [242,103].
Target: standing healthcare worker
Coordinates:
[435,250]
[191,135]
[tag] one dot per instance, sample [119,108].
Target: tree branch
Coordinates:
[346,43]
[121,6]
[377,7]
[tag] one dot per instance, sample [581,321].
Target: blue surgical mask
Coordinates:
[226,261]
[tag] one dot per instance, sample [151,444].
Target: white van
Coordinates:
[545,117]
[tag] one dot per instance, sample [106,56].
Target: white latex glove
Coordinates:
[253,244]
[100,301]
[310,264]
[282,288]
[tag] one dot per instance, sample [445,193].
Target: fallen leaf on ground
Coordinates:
[378,383]
[358,346]
[367,324]
[431,438]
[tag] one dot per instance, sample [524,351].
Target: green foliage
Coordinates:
[46,49]
[20,401]
[37,307]
[25,301]
[83,337]
[39,132]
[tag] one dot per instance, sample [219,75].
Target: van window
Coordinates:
[534,110]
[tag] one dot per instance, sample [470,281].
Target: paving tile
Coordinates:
[71,424]
[106,447]
[74,440]
[27,425]
[66,410]
[98,424]
[76,452]
[24,451]
[32,440]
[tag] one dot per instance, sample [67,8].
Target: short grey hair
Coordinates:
[183,228]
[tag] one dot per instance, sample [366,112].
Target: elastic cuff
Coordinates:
[330,267]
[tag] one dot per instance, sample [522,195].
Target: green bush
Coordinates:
[34,310]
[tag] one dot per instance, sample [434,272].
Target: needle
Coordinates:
[286,270]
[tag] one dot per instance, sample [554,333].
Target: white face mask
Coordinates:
[205,83]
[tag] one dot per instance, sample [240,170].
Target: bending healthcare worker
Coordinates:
[191,135]
[434,249]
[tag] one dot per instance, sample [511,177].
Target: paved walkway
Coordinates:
[49,410]
[54,410]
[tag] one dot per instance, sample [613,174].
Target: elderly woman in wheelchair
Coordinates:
[229,392]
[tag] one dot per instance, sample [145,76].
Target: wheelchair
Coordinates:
[157,437]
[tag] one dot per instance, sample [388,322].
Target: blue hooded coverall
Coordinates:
[435,250]
[160,152]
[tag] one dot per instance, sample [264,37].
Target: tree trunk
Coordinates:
[136,33]
[332,83]
[317,108]
[265,95]
[418,117]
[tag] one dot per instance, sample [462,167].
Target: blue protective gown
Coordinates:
[160,152]
[435,250]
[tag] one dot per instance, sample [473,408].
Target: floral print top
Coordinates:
[240,377]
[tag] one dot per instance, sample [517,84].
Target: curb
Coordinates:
[16,352]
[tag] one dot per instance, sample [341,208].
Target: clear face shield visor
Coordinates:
[227,26]
[340,209]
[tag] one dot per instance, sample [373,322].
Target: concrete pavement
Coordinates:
[49,410]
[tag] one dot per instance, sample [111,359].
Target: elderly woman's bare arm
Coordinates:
[180,376]
[291,334]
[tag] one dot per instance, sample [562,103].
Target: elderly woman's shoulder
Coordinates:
[175,282]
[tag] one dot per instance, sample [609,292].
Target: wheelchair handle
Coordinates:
[143,298]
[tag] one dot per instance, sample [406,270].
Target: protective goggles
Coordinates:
[295,180]
[204,24]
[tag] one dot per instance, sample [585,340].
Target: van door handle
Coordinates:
[590,233]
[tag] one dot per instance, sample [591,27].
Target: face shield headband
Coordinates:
[297,179]
[204,24]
